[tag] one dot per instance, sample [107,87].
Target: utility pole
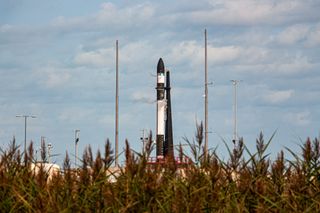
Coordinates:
[76,140]
[25,129]
[235,131]
[117,107]
[205,95]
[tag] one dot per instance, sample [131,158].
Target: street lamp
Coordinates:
[25,128]
[235,132]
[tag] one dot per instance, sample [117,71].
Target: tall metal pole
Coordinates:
[25,129]
[117,107]
[206,95]
[25,134]
[235,131]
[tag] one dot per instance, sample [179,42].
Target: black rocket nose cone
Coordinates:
[160,67]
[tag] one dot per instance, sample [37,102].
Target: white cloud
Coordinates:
[223,54]
[298,64]
[57,79]
[107,119]
[6,28]
[108,16]
[293,34]
[252,37]
[136,52]
[137,13]
[251,12]
[76,114]
[307,33]
[276,97]
[298,119]
[279,65]
[129,53]
[96,58]
[313,38]
[144,97]
[53,77]
[184,51]
[194,52]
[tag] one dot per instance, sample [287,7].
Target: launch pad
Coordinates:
[177,161]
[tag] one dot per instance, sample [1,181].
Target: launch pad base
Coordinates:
[180,162]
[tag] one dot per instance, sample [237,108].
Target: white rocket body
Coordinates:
[161,106]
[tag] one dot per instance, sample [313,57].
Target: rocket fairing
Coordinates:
[161,105]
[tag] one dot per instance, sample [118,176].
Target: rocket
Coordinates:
[161,104]
[164,141]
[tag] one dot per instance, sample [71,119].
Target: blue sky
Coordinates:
[57,61]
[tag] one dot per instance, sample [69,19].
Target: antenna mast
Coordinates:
[206,95]
[117,108]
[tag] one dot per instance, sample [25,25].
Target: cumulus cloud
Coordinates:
[299,118]
[109,16]
[97,58]
[129,53]
[313,38]
[194,52]
[143,97]
[278,65]
[308,34]
[137,52]
[56,79]
[138,13]
[76,114]
[6,28]
[250,12]
[293,34]
[53,77]
[276,97]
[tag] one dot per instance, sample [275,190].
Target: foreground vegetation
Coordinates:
[256,184]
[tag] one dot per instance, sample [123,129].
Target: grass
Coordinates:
[256,184]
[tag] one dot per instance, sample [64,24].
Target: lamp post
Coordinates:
[25,128]
[235,131]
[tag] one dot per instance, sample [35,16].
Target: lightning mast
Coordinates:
[117,108]
[205,95]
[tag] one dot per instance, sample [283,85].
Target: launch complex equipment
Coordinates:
[164,133]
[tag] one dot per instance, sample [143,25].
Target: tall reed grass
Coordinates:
[210,184]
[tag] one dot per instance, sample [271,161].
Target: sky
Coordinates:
[57,62]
